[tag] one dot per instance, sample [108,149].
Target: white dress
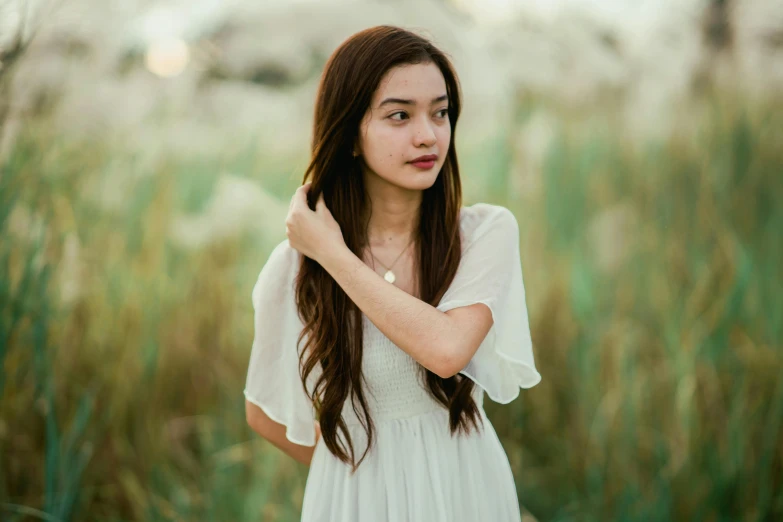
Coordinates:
[415,471]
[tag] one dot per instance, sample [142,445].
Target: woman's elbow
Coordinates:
[448,367]
[453,360]
[256,418]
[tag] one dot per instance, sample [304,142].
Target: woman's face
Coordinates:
[407,119]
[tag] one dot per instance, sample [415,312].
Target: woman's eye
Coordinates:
[442,114]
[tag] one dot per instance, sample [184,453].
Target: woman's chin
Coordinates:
[407,180]
[421,180]
[422,183]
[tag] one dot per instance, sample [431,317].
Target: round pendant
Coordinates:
[389,276]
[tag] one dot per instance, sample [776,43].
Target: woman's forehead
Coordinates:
[420,84]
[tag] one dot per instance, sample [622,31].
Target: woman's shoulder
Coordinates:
[477,219]
[281,265]
[284,253]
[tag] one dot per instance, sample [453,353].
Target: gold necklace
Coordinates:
[389,275]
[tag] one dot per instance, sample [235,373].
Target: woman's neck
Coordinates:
[392,225]
[395,214]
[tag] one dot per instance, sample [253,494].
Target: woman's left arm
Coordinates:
[441,342]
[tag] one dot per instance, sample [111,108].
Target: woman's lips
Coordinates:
[424,165]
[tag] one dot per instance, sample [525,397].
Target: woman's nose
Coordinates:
[425,135]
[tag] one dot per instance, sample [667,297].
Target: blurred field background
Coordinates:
[149,150]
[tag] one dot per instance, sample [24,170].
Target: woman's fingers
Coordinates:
[299,198]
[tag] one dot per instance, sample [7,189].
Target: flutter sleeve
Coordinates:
[273,382]
[490,272]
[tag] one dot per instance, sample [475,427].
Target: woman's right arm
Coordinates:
[274,432]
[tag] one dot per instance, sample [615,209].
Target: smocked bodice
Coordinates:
[394,384]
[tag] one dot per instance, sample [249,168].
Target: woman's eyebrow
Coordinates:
[401,101]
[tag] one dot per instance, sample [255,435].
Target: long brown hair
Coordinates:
[332,322]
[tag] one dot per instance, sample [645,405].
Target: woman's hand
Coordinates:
[315,234]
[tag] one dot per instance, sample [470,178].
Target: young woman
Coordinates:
[391,308]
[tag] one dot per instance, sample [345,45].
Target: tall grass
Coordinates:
[653,276]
